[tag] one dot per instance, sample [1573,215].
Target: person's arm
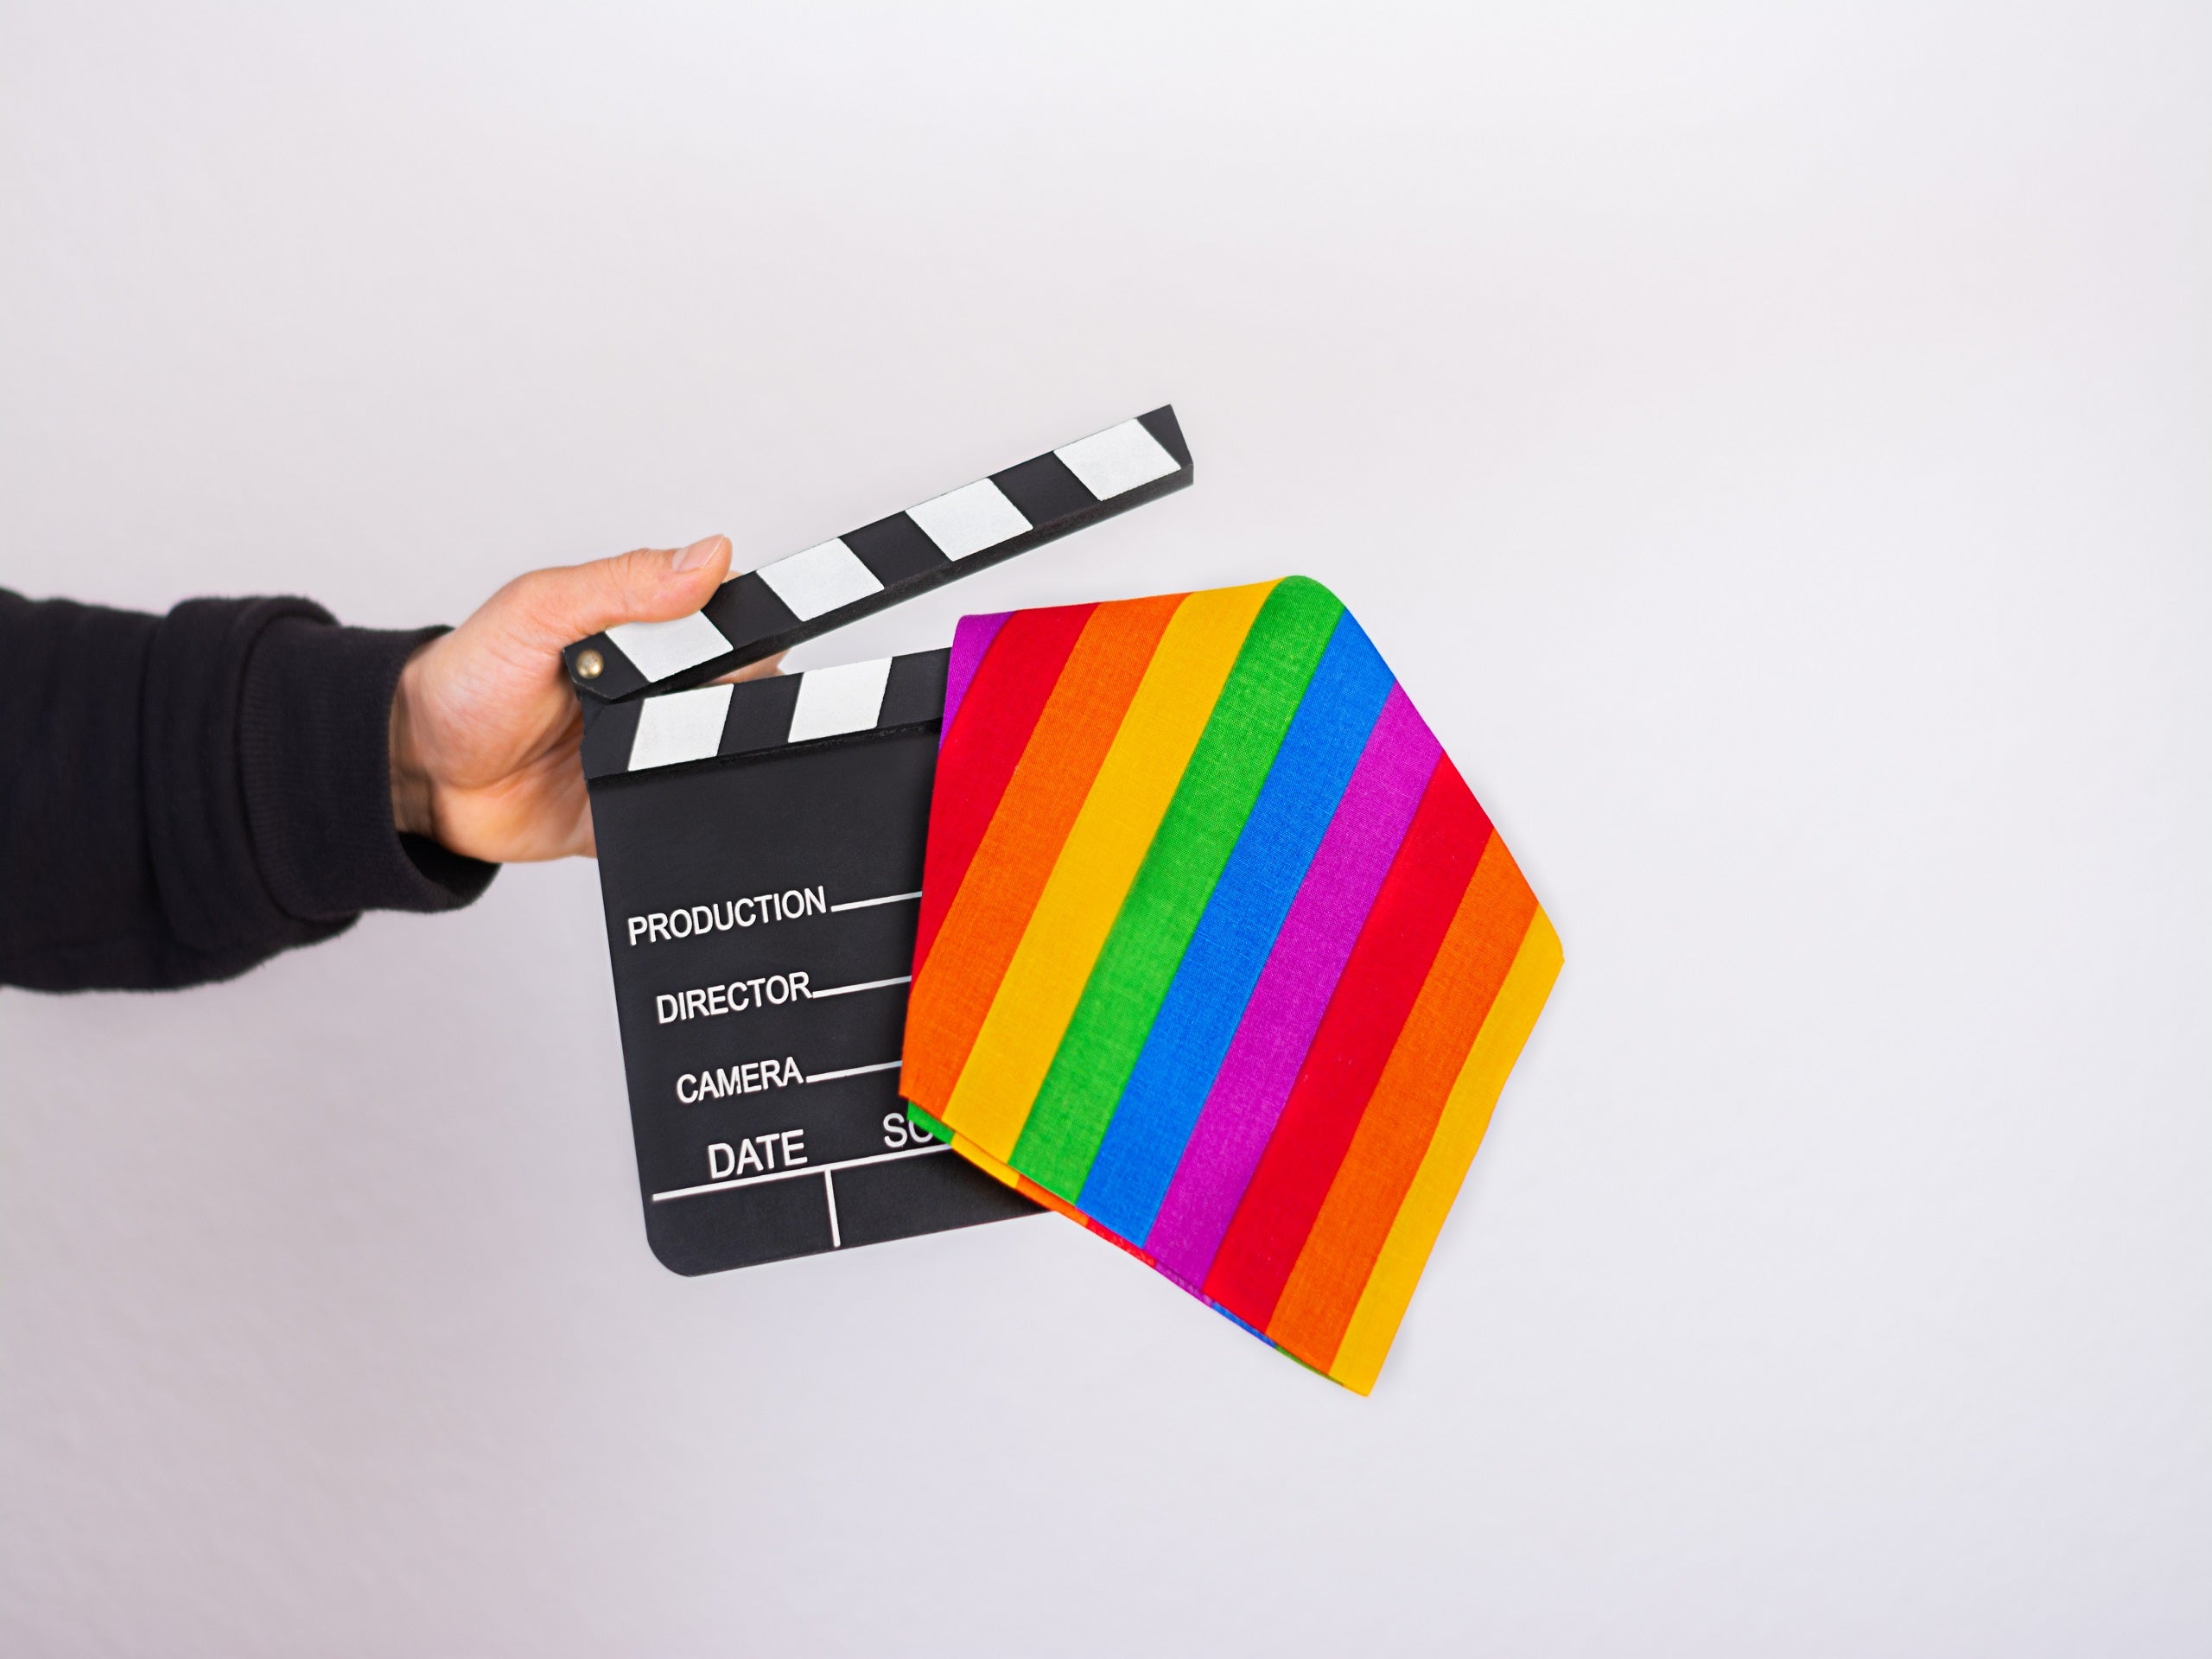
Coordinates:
[181,796]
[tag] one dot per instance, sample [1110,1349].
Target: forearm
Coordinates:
[182,797]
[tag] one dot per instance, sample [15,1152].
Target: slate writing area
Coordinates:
[760,913]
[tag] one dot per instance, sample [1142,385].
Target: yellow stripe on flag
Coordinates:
[1451,1150]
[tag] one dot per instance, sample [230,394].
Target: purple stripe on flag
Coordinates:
[969,641]
[1293,990]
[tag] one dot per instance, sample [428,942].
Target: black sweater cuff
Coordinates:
[314,759]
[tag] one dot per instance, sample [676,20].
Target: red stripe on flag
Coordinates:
[980,753]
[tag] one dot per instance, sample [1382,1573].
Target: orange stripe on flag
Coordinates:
[1395,1131]
[953,991]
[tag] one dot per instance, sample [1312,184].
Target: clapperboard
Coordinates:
[760,850]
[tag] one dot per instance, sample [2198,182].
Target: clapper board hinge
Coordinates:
[762,612]
[720,722]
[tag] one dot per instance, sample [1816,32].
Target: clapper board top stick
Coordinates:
[760,853]
[762,612]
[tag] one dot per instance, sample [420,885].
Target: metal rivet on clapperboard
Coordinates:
[590,664]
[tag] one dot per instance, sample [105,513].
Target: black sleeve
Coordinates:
[184,796]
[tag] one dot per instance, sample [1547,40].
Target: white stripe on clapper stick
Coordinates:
[679,727]
[1118,460]
[829,1191]
[834,701]
[660,649]
[969,519]
[821,580]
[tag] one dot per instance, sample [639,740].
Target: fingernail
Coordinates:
[691,557]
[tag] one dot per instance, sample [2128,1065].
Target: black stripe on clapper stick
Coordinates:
[771,609]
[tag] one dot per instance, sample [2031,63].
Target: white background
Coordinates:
[1775,446]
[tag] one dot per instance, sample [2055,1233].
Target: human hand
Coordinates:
[485,728]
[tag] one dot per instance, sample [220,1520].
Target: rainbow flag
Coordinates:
[1218,954]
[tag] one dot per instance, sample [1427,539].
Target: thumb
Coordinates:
[548,609]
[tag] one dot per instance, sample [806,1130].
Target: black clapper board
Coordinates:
[761,851]
[761,910]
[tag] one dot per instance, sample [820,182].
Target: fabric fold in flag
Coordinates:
[1218,954]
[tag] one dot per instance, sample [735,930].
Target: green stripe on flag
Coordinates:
[922,1120]
[1122,996]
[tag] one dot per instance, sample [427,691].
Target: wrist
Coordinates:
[411,807]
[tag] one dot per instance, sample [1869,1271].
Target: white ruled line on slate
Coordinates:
[855,1071]
[803,1170]
[865,985]
[870,904]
